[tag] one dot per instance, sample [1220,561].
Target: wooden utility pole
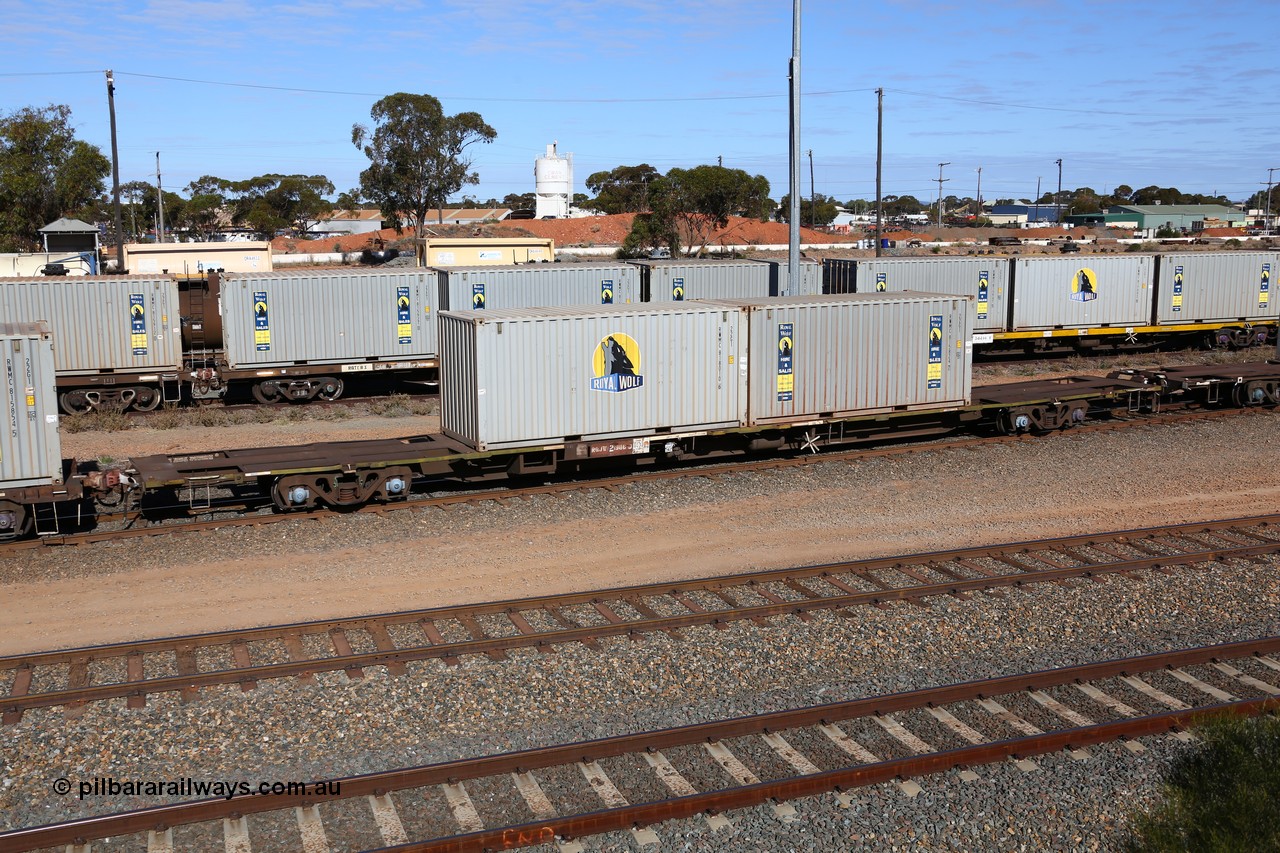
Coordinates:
[879,161]
[115,173]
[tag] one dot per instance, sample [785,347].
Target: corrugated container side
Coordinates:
[1077,292]
[533,377]
[328,317]
[851,355]
[102,323]
[839,275]
[30,445]
[1216,287]
[985,279]
[780,277]
[684,280]
[532,286]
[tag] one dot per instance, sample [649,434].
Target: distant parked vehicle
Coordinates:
[1068,247]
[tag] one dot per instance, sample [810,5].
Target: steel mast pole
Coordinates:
[793,218]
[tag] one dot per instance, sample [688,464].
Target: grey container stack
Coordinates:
[1216,287]
[857,354]
[110,324]
[686,279]
[985,279]
[779,277]
[280,319]
[1083,291]
[30,445]
[542,376]
[537,285]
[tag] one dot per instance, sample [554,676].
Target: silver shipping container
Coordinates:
[279,319]
[985,279]
[780,277]
[30,446]
[1082,291]
[102,324]
[847,355]
[686,279]
[537,285]
[542,376]
[1216,287]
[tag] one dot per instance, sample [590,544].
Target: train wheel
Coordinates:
[266,392]
[146,399]
[330,388]
[75,402]
[15,521]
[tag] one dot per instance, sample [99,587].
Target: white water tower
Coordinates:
[553,178]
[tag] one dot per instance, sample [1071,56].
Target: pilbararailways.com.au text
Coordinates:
[109,786]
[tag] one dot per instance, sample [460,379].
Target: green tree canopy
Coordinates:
[417,156]
[45,173]
[697,202]
[624,189]
[825,207]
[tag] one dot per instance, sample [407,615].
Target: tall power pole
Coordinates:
[159,203]
[1036,216]
[979,191]
[879,161]
[1267,213]
[115,173]
[793,235]
[1057,198]
[813,196]
[941,181]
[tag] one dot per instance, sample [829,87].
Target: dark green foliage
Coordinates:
[45,173]
[417,156]
[826,208]
[624,189]
[1221,797]
[648,232]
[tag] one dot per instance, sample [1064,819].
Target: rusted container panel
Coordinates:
[1082,291]
[985,279]
[102,324]
[328,317]
[486,288]
[1216,287]
[30,445]
[542,376]
[858,354]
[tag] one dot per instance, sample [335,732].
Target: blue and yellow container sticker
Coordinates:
[606,291]
[984,291]
[138,323]
[882,282]
[477,296]
[1264,287]
[404,320]
[935,351]
[261,322]
[786,368]
[677,289]
[1178,279]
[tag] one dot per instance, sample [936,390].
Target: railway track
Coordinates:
[73,677]
[159,521]
[634,782]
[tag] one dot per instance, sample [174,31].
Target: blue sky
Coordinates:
[1173,93]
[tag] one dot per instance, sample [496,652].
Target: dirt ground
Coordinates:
[352,565]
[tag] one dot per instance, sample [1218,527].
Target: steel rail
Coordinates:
[377,784]
[15,704]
